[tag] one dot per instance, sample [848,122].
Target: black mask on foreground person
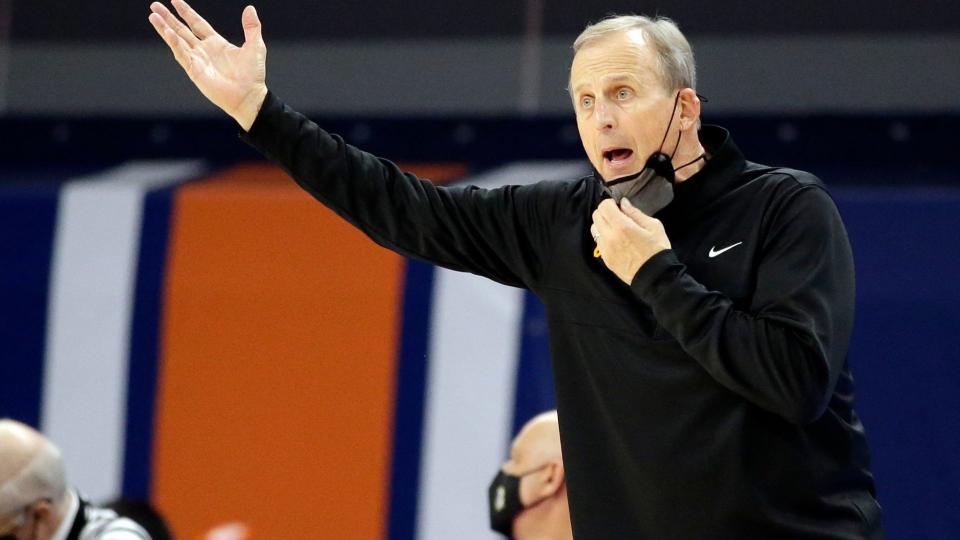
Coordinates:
[504,500]
[651,189]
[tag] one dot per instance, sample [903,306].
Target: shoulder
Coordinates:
[785,187]
[782,178]
[569,199]
[567,190]
[565,187]
[793,199]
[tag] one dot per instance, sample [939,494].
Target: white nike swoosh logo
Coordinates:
[714,251]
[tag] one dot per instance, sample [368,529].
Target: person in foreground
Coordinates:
[528,496]
[35,501]
[700,305]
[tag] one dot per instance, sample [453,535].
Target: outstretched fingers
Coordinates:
[179,47]
[198,24]
[174,23]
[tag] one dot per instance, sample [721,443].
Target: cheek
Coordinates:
[526,492]
[646,137]
[587,140]
[582,130]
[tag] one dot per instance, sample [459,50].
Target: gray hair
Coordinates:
[674,55]
[43,477]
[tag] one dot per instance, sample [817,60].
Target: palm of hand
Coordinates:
[233,78]
[225,73]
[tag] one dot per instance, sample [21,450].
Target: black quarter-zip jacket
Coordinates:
[711,397]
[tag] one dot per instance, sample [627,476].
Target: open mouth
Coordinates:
[617,156]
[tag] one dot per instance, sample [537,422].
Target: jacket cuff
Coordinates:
[271,108]
[654,274]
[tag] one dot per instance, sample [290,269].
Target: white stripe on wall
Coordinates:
[91,300]
[473,352]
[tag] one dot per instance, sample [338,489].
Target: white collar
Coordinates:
[73,506]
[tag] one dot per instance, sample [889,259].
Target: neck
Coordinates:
[548,520]
[689,150]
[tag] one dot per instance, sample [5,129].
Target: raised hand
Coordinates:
[233,78]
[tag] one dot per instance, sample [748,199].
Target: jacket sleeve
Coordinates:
[497,233]
[786,351]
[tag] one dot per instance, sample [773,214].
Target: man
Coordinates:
[528,497]
[35,502]
[699,357]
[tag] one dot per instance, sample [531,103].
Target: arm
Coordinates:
[785,353]
[496,233]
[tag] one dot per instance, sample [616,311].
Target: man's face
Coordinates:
[621,105]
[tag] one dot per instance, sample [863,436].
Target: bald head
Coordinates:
[18,444]
[31,468]
[537,464]
[538,441]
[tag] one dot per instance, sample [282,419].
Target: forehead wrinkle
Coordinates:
[620,78]
[630,60]
[608,80]
[613,78]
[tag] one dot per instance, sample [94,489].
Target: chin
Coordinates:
[609,176]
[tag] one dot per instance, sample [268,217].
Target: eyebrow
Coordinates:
[623,77]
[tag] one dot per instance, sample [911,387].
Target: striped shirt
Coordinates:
[88,522]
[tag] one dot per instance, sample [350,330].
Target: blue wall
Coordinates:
[905,353]
[894,180]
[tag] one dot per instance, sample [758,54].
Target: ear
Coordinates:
[689,109]
[44,518]
[551,479]
[42,510]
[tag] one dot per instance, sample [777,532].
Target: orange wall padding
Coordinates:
[276,391]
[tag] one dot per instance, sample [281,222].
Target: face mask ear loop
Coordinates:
[673,112]
[533,470]
[528,473]
[691,162]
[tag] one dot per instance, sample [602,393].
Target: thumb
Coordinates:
[632,211]
[251,25]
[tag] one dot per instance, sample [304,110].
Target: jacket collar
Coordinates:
[722,173]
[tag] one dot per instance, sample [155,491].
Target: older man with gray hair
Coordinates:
[700,305]
[35,501]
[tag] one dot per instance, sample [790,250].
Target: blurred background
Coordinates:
[192,329]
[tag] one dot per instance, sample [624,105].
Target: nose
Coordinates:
[605,117]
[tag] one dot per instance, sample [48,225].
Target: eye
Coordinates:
[624,93]
[586,102]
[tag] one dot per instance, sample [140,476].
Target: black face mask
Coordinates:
[504,500]
[651,189]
